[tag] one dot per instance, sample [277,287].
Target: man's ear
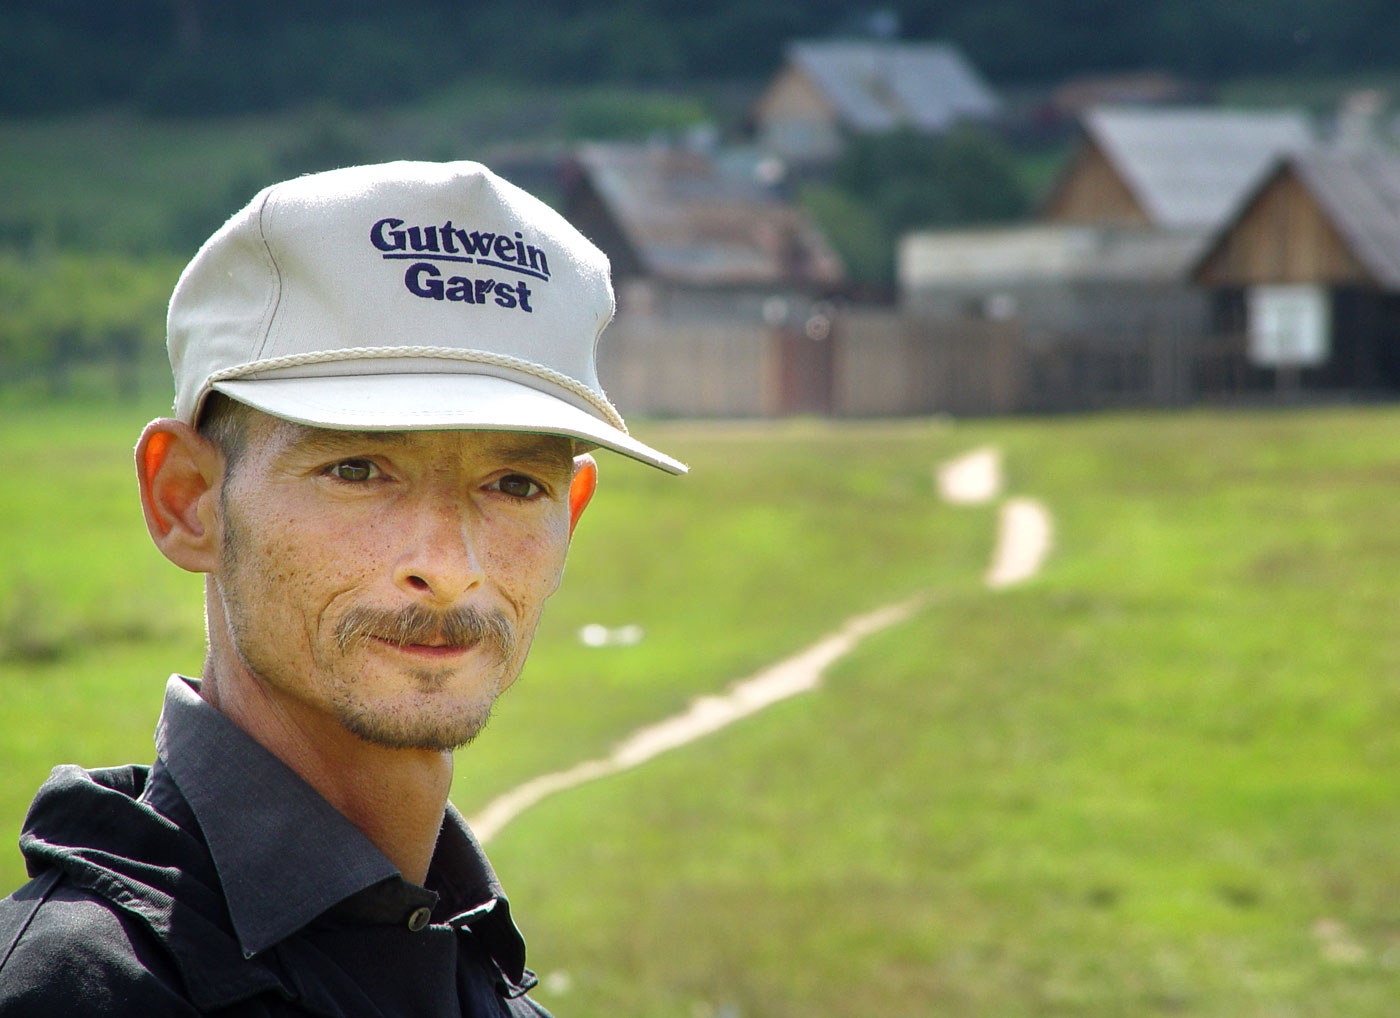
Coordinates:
[581,488]
[179,472]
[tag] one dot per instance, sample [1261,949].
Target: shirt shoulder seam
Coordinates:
[43,886]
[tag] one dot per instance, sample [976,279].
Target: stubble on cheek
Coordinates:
[264,595]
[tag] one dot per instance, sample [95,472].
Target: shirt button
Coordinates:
[418,918]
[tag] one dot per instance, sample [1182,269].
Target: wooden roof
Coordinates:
[1320,217]
[874,86]
[673,214]
[1173,167]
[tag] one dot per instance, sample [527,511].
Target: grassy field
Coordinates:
[118,181]
[1158,779]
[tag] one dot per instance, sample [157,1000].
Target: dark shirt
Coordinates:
[217,881]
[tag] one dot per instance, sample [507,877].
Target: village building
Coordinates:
[1049,317]
[725,291]
[689,236]
[1305,277]
[1095,305]
[827,90]
[1169,167]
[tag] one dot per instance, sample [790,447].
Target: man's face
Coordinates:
[391,581]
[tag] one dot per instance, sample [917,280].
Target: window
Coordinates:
[1288,326]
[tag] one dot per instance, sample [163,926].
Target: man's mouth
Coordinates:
[431,648]
[416,631]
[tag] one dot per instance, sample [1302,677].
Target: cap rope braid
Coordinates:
[354,353]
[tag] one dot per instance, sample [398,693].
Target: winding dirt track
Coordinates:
[1024,538]
[708,714]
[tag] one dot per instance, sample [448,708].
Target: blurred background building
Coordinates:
[832,210]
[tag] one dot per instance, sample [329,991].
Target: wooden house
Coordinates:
[723,288]
[1305,276]
[1174,168]
[1095,305]
[1051,316]
[829,89]
[688,236]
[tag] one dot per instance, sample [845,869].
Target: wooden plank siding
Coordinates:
[796,120]
[804,373]
[872,364]
[1282,236]
[881,365]
[792,95]
[1091,190]
[593,217]
[660,368]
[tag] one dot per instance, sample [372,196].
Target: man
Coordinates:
[385,398]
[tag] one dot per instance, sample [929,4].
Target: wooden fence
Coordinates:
[875,363]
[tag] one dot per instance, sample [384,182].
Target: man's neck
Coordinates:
[395,796]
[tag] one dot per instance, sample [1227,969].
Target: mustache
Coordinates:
[460,627]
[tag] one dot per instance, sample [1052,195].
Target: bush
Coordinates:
[886,185]
[912,180]
[62,310]
[854,230]
[615,114]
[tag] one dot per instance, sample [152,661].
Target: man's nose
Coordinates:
[442,562]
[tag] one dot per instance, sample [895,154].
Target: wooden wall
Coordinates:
[658,367]
[1092,191]
[795,120]
[877,364]
[870,365]
[1282,236]
[791,95]
[881,366]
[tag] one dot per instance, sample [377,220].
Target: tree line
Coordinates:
[203,57]
[65,312]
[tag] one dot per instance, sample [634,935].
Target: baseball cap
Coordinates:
[401,296]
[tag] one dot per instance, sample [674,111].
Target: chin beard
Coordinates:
[408,730]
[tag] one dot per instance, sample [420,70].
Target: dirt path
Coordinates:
[1025,532]
[1024,535]
[971,479]
[793,675]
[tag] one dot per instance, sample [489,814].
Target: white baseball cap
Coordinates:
[402,296]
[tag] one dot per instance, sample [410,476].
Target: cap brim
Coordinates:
[433,402]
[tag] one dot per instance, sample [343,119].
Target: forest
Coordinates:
[132,129]
[199,57]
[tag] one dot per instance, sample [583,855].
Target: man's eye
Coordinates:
[354,470]
[517,486]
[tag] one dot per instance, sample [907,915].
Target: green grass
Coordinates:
[1158,779]
[118,181]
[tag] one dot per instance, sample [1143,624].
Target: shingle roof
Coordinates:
[1190,167]
[688,222]
[880,86]
[1360,193]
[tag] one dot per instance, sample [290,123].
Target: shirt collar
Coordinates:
[285,855]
